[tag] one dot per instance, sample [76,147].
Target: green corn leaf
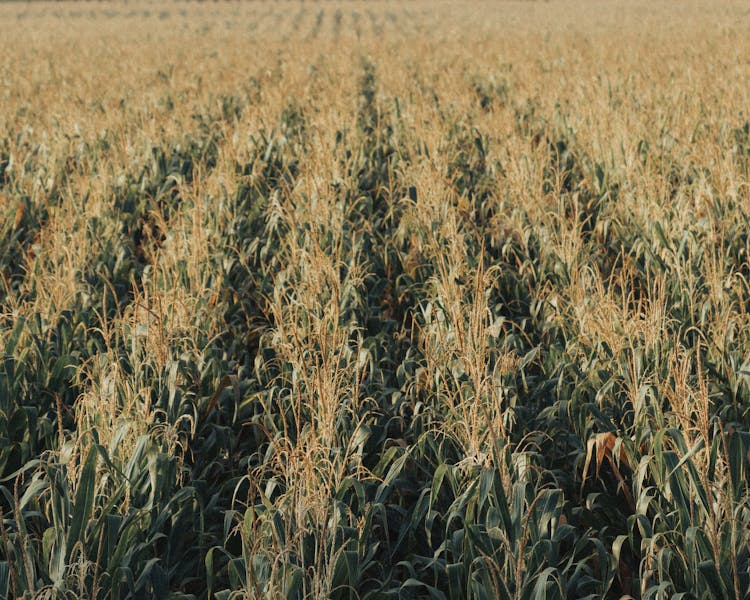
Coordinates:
[84,502]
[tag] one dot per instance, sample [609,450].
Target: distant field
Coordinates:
[375,300]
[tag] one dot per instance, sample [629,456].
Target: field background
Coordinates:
[375,300]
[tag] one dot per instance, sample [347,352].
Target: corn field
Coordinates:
[371,300]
